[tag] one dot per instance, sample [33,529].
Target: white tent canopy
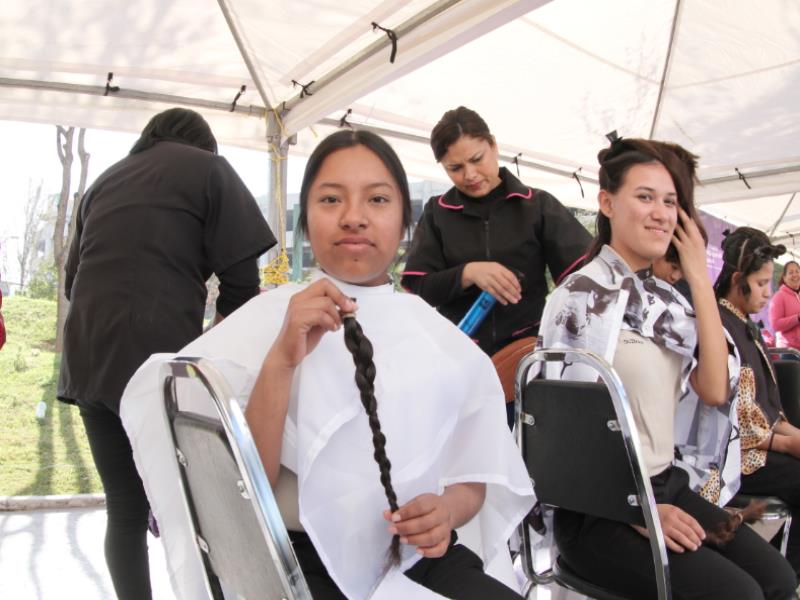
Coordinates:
[721,77]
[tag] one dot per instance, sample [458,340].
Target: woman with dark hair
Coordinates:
[663,351]
[489,232]
[149,233]
[770,445]
[386,459]
[176,125]
[784,309]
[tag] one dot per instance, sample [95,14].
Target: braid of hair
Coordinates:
[361,349]
[724,531]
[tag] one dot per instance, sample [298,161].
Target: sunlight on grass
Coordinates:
[38,457]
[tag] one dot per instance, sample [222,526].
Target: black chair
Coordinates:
[787,372]
[786,362]
[581,447]
[238,528]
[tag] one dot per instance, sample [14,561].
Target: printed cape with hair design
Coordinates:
[441,408]
[588,311]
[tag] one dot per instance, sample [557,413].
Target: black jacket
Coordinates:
[526,230]
[150,231]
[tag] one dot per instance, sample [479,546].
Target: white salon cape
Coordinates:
[440,405]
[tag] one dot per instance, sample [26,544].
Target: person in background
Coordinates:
[2,324]
[770,445]
[488,232]
[149,232]
[784,309]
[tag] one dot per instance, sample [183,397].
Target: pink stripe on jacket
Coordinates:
[784,309]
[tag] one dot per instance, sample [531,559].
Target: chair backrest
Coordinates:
[581,447]
[238,527]
[575,452]
[787,372]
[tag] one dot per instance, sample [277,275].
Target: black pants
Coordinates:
[614,555]
[780,477]
[126,504]
[458,574]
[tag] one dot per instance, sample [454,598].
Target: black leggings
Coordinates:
[126,504]
[614,555]
[458,574]
[780,477]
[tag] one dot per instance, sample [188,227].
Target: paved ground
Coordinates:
[58,554]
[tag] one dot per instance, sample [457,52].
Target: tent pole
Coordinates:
[667,67]
[254,74]
[276,208]
[750,176]
[783,214]
[420,139]
[379,46]
[129,94]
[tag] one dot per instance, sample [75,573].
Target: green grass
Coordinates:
[38,457]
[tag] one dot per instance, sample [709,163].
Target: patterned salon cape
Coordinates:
[589,309]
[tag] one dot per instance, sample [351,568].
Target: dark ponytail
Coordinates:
[361,349]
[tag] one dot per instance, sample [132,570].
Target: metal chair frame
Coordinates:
[254,484]
[630,436]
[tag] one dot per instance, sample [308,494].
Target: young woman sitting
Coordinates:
[376,465]
[770,445]
[662,351]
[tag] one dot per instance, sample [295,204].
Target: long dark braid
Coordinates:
[361,349]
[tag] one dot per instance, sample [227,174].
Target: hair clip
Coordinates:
[303,87]
[515,160]
[392,38]
[109,87]
[612,137]
[578,179]
[343,122]
[236,99]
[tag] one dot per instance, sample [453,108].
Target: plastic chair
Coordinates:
[604,475]
[237,526]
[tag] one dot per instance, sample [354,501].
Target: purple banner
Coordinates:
[714,227]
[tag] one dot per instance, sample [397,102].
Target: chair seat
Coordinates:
[565,576]
[775,508]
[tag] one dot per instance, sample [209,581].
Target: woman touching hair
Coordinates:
[663,351]
[380,426]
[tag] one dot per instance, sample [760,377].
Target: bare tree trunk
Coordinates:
[30,236]
[59,246]
[83,156]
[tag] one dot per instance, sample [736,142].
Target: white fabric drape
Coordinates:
[441,408]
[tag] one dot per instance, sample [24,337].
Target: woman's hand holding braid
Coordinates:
[311,312]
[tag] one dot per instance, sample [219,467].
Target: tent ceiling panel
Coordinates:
[540,91]
[733,93]
[427,40]
[551,78]
[153,43]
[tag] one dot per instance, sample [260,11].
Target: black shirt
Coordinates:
[525,230]
[753,353]
[150,231]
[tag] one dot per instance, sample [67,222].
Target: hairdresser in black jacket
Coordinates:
[489,232]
